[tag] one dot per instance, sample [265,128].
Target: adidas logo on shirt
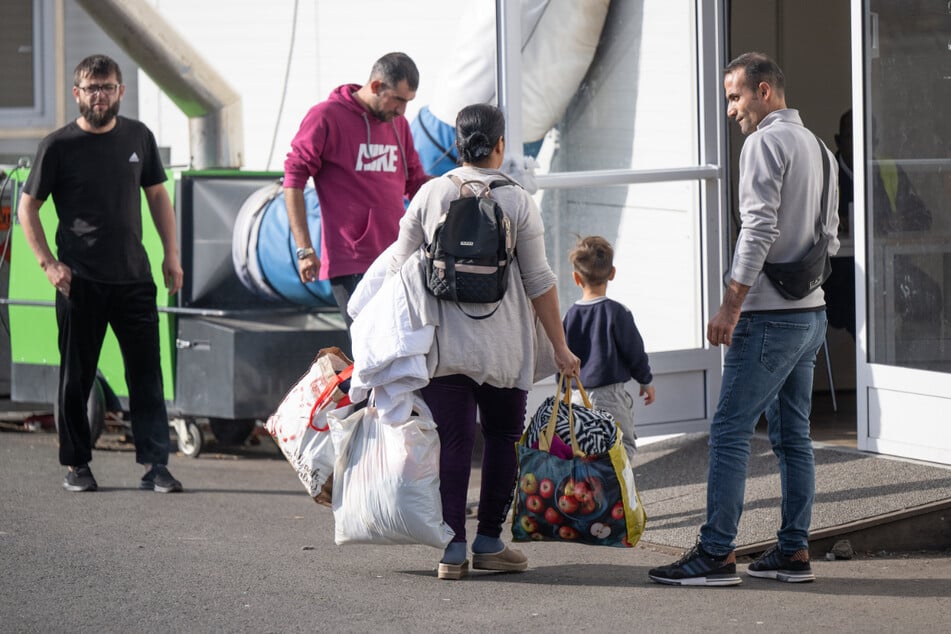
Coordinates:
[134,158]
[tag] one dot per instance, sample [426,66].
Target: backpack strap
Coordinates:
[484,189]
[479,317]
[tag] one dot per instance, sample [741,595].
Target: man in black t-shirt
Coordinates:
[95,168]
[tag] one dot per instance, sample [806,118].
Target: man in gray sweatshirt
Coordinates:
[772,340]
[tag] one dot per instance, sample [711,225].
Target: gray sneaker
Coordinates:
[159,479]
[80,479]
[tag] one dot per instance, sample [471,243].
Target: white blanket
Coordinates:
[389,354]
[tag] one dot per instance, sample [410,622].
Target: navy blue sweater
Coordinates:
[603,335]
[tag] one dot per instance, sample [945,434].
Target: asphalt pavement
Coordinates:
[244,549]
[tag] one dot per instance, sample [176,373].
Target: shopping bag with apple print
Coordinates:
[584,499]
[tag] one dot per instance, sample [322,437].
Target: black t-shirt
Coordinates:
[96,182]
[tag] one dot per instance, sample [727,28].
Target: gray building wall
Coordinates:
[78,37]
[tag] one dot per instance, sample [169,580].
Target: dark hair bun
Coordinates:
[478,129]
[478,146]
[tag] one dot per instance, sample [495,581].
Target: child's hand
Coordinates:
[647,392]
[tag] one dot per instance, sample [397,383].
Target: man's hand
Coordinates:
[59,275]
[172,271]
[720,329]
[308,268]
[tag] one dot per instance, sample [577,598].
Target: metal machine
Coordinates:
[231,348]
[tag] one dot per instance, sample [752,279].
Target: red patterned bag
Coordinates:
[299,425]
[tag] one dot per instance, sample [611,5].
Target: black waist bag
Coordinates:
[796,280]
[468,259]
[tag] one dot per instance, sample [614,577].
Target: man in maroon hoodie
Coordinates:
[357,147]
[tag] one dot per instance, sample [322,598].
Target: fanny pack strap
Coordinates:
[822,219]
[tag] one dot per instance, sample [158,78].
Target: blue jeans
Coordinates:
[768,369]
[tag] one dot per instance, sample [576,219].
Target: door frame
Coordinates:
[900,411]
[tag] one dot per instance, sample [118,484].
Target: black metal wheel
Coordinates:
[230,432]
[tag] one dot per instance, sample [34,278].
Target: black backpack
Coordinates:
[468,259]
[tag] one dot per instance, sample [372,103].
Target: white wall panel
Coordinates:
[909,425]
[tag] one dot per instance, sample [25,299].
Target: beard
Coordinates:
[380,115]
[98,119]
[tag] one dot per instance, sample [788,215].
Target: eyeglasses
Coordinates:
[92,89]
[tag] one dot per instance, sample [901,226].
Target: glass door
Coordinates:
[905,204]
[636,158]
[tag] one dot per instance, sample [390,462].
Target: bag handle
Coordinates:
[563,394]
[339,378]
[584,395]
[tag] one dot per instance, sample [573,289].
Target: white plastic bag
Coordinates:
[386,479]
[299,425]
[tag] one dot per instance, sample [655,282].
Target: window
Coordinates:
[636,106]
[17,81]
[908,184]
[635,114]
[26,74]
[655,231]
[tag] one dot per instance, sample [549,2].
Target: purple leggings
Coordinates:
[454,401]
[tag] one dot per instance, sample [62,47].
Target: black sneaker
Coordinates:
[697,568]
[773,564]
[159,479]
[80,479]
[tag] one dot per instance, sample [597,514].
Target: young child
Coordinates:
[602,333]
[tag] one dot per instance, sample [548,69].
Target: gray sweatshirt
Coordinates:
[508,349]
[779,196]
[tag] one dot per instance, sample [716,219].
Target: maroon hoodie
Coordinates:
[361,167]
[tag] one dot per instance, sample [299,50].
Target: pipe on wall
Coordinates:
[213,107]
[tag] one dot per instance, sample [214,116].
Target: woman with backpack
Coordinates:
[485,357]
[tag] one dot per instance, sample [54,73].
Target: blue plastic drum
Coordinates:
[265,253]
